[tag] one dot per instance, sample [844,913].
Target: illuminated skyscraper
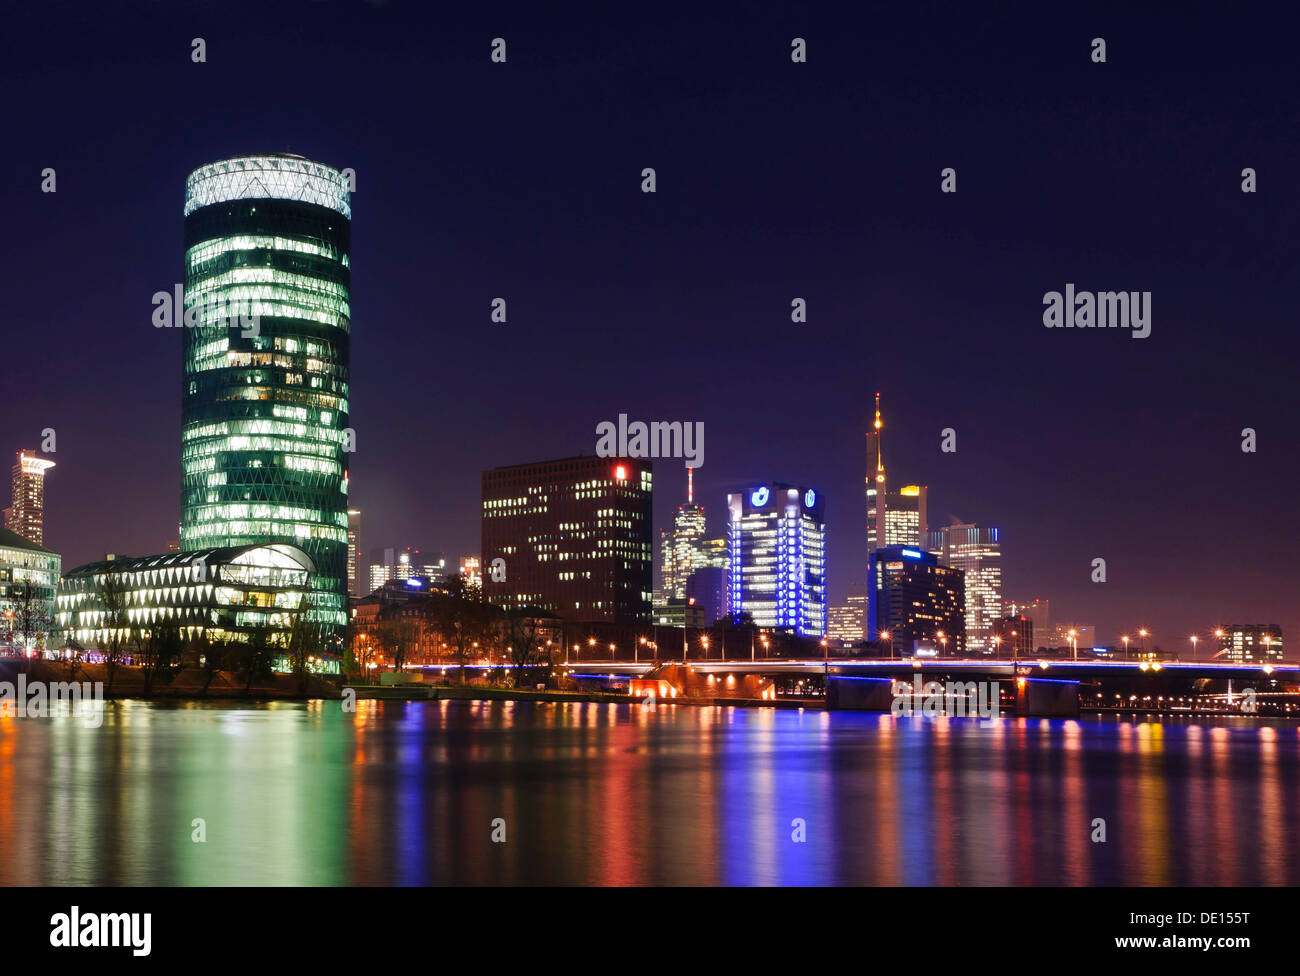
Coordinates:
[265,406]
[920,603]
[571,536]
[978,554]
[26,514]
[354,552]
[682,548]
[776,537]
[472,570]
[894,518]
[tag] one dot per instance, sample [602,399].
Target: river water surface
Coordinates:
[412,793]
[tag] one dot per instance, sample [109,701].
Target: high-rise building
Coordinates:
[1250,643]
[1082,637]
[26,514]
[844,625]
[894,517]
[472,570]
[682,548]
[978,554]
[571,536]
[706,591]
[857,602]
[1038,611]
[776,538]
[393,563]
[905,515]
[715,552]
[1013,636]
[265,408]
[354,552]
[918,602]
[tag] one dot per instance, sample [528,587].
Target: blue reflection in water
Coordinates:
[404,793]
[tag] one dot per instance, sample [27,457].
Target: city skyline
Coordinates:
[911,283]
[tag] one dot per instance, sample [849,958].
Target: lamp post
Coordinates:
[1193,647]
[1143,634]
[1074,643]
[1125,640]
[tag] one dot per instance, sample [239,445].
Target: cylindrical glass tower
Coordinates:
[265,397]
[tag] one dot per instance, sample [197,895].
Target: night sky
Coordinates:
[775,180]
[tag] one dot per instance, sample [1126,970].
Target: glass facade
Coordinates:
[776,535]
[265,397]
[570,536]
[29,576]
[978,554]
[224,593]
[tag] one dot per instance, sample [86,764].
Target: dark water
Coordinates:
[615,794]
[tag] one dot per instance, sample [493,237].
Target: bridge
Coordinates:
[1048,686]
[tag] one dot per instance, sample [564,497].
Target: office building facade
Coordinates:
[571,536]
[265,439]
[1250,643]
[29,579]
[355,568]
[918,602]
[225,593]
[977,552]
[776,573]
[1013,636]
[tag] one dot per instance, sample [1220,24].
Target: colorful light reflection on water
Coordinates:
[406,794]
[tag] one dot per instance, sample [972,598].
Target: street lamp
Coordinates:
[1143,634]
[1193,647]
[611,652]
[884,635]
[704,642]
[1074,642]
[1125,640]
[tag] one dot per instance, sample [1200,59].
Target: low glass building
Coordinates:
[29,575]
[224,593]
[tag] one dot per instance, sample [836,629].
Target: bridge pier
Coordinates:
[1047,698]
[865,694]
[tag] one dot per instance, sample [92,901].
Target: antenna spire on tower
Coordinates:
[690,486]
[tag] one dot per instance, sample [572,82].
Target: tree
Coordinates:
[117,627]
[304,644]
[461,616]
[255,657]
[159,653]
[213,656]
[524,642]
[399,634]
[72,652]
[30,618]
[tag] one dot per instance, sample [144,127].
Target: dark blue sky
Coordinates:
[775,180]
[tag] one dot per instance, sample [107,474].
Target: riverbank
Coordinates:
[189,683]
[416,691]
